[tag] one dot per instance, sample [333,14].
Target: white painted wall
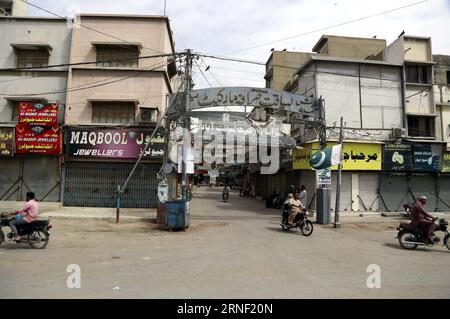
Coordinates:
[381,100]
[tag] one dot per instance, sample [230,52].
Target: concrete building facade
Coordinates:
[121,95]
[29,45]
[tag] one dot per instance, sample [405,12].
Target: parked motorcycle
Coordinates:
[274,201]
[36,234]
[225,195]
[410,237]
[301,222]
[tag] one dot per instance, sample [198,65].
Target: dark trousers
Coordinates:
[428,227]
[16,222]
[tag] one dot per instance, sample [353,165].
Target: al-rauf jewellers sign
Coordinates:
[100,142]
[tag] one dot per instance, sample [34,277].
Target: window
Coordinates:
[117,56]
[448,78]
[422,126]
[15,111]
[113,112]
[32,58]
[418,74]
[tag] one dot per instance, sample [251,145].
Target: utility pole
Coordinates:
[186,121]
[337,224]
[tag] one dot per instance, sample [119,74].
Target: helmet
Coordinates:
[423,197]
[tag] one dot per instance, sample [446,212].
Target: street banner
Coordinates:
[6,141]
[427,157]
[446,162]
[38,139]
[356,156]
[36,113]
[100,142]
[397,157]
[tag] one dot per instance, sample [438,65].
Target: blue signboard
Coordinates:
[427,157]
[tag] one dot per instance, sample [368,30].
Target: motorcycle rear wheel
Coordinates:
[39,239]
[407,236]
[447,241]
[307,228]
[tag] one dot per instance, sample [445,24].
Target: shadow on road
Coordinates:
[421,249]
[280,230]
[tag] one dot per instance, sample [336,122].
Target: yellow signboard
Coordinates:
[356,156]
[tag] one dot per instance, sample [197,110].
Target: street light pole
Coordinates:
[337,224]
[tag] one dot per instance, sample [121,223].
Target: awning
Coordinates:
[118,98]
[26,99]
[118,44]
[32,46]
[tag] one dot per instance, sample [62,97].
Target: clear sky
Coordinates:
[248,29]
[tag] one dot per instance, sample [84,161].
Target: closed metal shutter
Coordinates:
[345,202]
[94,184]
[41,175]
[425,185]
[394,191]
[367,190]
[444,193]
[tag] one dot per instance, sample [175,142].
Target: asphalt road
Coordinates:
[231,250]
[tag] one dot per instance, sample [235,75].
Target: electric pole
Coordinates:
[337,224]
[186,121]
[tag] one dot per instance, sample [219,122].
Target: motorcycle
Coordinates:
[300,223]
[274,201]
[225,195]
[36,234]
[410,238]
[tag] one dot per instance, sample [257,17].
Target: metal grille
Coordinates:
[94,184]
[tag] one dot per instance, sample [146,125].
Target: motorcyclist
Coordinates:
[421,219]
[27,214]
[296,207]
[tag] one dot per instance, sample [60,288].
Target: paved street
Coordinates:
[232,250]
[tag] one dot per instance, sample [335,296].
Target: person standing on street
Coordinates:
[303,196]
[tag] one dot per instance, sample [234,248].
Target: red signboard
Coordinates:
[38,139]
[36,113]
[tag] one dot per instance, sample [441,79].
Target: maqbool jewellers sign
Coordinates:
[113,143]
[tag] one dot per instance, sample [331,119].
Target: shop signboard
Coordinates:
[355,156]
[427,157]
[100,142]
[37,113]
[446,162]
[38,139]
[6,141]
[397,157]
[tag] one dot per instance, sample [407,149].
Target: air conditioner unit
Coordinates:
[398,133]
[148,115]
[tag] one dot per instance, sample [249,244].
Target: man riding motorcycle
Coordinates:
[28,214]
[421,219]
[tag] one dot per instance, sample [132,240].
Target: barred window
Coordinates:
[113,112]
[117,56]
[32,58]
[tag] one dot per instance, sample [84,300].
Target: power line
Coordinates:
[83,88]
[295,68]
[207,81]
[90,62]
[86,27]
[328,27]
